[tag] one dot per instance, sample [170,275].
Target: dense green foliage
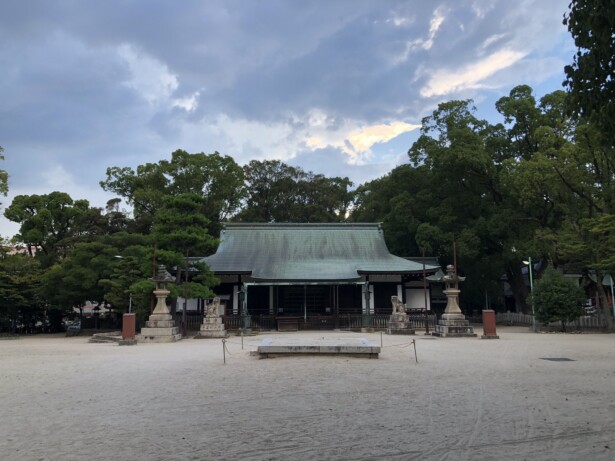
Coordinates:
[557,299]
[216,178]
[591,76]
[276,192]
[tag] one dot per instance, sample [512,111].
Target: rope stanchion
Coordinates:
[224,350]
[415,356]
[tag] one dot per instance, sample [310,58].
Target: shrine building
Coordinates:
[318,275]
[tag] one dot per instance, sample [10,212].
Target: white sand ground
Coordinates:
[467,399]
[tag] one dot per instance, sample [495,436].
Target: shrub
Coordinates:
[557,299]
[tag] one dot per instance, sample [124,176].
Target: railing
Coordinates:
[417,319]
[381,322]
[312,322]
[350,322]
[193,322]
[317,322]
[513,318]
[585,322]
[258,322]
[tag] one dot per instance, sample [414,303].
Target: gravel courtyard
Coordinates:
[467,399]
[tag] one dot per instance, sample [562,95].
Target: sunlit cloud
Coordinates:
[358,142]
[362,140]
[447,81]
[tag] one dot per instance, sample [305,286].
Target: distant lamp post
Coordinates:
[612,293]
[528,263]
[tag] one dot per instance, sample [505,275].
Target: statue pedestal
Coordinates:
[399,324]
[212,327]
[246,329]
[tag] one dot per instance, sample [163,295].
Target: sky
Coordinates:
[338,87]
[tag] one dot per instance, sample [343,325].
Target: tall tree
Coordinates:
[590,81]
[465,157]
[401,200]
[53,223]
[590,78]
[277,192]
[215,177]
[180,228]
[20,291]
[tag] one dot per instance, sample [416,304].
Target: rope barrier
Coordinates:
[382,346]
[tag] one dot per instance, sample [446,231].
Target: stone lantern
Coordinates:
[453,322]
[160,328]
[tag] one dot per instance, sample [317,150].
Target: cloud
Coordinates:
[332,161]
[189,103]
[149,77]
[333,86]
[358,142]
[447,81]
[245,139]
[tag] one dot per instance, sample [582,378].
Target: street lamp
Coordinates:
[528,263]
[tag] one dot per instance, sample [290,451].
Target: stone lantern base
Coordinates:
[454,325]
[160,328]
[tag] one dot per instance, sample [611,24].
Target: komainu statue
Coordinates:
[398,306]
[213,308]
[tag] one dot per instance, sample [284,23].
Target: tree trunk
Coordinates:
[516,280]
[604,310]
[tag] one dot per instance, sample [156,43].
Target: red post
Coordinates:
[129,326]
[489,325]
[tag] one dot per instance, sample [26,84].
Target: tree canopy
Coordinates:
[590,78]
[277,192]
[53,223]
[216,178]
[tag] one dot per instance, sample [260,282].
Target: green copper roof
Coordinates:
[307,252]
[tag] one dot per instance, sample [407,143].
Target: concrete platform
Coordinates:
[351,347]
